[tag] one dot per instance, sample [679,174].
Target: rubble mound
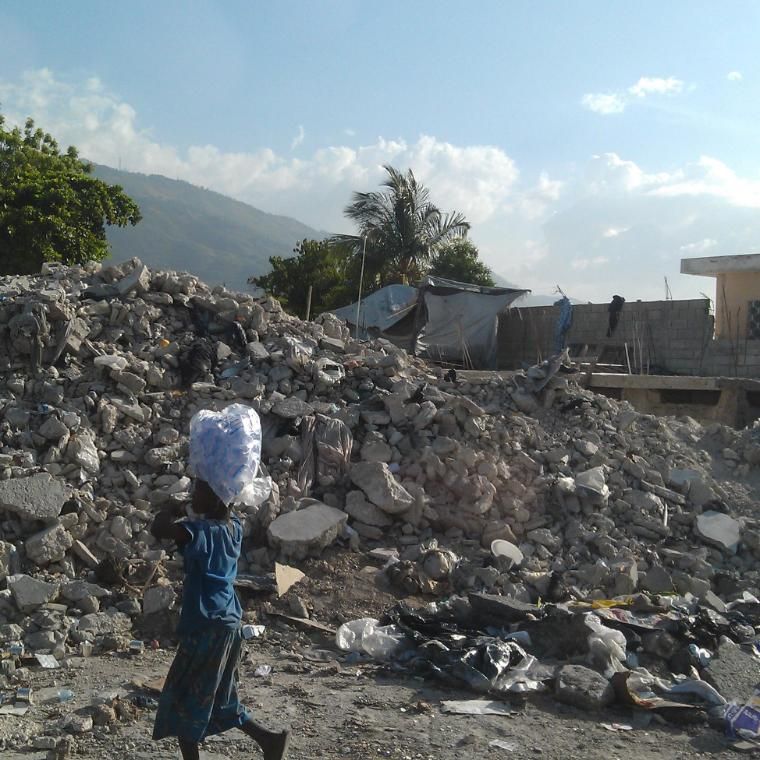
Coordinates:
[101,370]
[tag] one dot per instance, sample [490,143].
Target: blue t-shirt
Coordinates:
[211,558]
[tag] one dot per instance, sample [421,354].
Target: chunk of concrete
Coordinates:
[380,487]
[6,552]
[360,509]
[719,529]
[292,407]
[582,687]
[734,672]
[36,497]
[306,532]
[49,545]
[158,598]
[108,622]
[138,280]
[30,593]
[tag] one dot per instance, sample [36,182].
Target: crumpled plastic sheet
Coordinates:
[326,443]
[455,654]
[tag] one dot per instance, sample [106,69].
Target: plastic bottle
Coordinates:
[65,695]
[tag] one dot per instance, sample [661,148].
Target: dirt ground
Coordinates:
[337,709]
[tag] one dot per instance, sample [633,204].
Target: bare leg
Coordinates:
[189,750]
[274,744]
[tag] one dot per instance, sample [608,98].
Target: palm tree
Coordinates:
[401,227]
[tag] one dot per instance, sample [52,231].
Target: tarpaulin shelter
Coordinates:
[443,320]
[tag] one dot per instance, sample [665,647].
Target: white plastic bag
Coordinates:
[225,451]
[365,635]
[606,647]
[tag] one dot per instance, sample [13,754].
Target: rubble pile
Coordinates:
[101,370]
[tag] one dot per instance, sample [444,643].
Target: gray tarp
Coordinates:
[382,309]
[441,319]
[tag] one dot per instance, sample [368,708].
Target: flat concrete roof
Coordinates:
[711,266]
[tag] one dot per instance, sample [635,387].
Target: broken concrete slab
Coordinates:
[30,593]
[734,672]
[306,532]
[49,545]
[380,487]
[36,497]
[719,529]
[583,688]
[360,509]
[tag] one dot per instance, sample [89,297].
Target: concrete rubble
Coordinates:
[364,443]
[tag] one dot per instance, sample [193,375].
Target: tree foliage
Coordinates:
[326,266]
[401,228]
[459,260]
[51,208]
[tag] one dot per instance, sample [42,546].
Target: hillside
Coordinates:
[189,228]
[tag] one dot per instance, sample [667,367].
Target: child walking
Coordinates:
[200,696]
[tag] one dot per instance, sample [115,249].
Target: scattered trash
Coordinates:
[286,577]
[501,744]
[253,631]
[477,707]
[617,726]
[502,548]
[136,647]
[47,661]
[65,695]
[263,671]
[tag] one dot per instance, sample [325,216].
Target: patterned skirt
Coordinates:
[200,695]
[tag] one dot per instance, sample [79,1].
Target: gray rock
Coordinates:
[657,580]
[158,599]
[582,687]
[30,593]
[380,487]
[53,429]
[49,545]
[306,532]
[76,590]
[361,510]
[719,529]
[84,452]
[37,497]
[138,280]
[291,408]
[6,553]
[40,640]
[734,672]
[101,623]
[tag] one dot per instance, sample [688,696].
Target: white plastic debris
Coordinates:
[225,451]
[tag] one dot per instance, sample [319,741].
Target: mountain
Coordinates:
[189,228]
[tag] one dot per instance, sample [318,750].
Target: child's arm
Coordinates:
[165,527]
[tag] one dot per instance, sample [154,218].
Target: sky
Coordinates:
[591,145]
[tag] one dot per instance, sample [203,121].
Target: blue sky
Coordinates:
[591,144]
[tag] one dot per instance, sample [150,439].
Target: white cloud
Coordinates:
[656,86]
[613,232]
[582,264]
[604,103]
[608,225]
[298,139]
[734,76]
[607,103]
[700,246]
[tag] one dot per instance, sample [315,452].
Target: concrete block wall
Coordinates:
[675,337]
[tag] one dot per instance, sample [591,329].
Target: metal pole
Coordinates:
[308,303]
[361,283]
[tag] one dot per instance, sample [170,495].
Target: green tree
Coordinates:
[459,260]
[325,265]
[401,227]
[51,209]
